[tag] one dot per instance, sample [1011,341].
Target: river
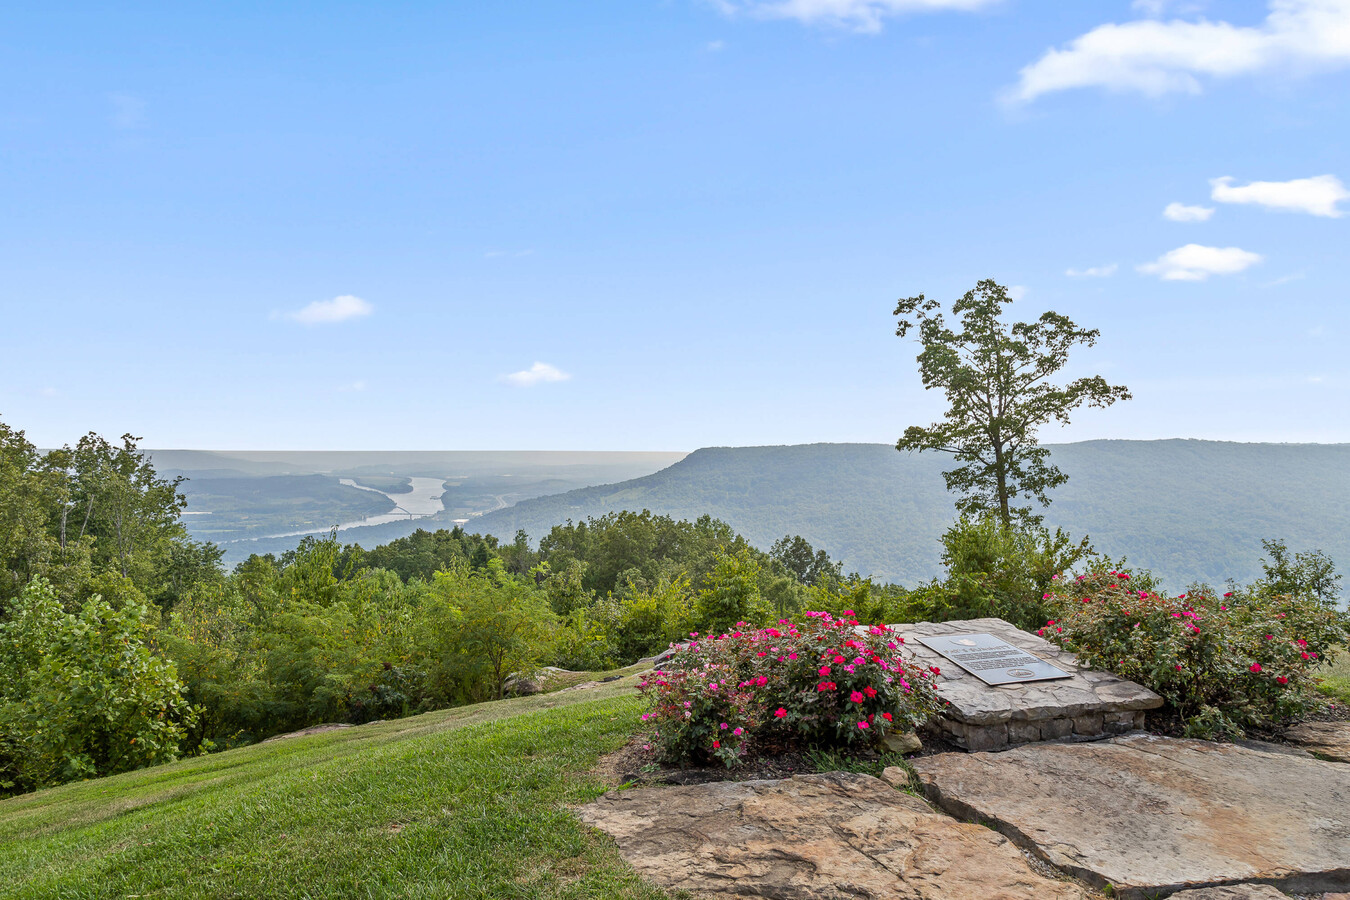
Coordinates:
[424,500]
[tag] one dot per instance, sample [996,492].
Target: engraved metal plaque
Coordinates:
[992,660]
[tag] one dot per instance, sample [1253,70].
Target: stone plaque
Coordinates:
[992,660]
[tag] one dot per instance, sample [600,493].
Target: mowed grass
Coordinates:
[464,803]
[1336,676]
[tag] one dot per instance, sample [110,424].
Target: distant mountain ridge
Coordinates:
[1187,509]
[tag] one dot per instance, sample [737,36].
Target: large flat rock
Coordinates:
[814,837]
[1090,705]
[1154,815]
[1329,740]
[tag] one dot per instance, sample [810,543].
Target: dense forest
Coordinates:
[1188,510]
[124,642]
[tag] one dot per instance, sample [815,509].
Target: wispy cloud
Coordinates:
[328,312]
[1093,272]
[1316,196]
[715,46]
[855,15]
[128,111]
[1195,262]
[1017,291]
[1180,212]
[1296,276]
[1154,57]
[1156,8]
[499,254]
[539,373]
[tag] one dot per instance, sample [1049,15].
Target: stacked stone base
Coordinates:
[1004,735]
[1087,706]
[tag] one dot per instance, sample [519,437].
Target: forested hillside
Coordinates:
[1186,509]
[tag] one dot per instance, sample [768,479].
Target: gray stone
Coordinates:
[1087,706]
[1088,725]
[1233,892]
[1329,740]
[520,686]
[908,742]
[813,837]
[1154,815]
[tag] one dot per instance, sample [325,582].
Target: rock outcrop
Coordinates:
[1152,815]
[1329,740]
[813,837]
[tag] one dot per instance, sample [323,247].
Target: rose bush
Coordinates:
[825,681]
[1223,663]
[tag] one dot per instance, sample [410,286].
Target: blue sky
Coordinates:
[660,224]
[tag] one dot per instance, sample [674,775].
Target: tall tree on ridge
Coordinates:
[997,380]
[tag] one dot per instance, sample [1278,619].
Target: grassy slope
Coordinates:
[1186,509]
[458,803]
[1336,676]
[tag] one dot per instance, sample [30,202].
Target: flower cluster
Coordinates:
[1224,663]
[826,680]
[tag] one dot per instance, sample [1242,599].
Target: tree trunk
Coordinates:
[1001,470]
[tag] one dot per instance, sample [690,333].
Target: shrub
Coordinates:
[731,593]
[1225,664]
[83,694]
[999,570]
[825,682]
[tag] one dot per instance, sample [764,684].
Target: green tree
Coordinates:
[996,377]
[26,548]
[83,694]
[732,594]
[132,514]
[1309,575]
[809,566]
[501,625]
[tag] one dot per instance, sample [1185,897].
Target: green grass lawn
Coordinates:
[1336,676]
[469,802]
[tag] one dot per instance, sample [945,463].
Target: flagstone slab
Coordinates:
[814,837]
[1329,740]
[1152,815]
[1089,705]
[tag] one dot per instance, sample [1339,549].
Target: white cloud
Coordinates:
[1017,291]
[1316,196]
[1094,272]
[856,15]
[1180,212]
[715,46]
[536,374]
[326,312]
[1155,57]
[1195,262]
